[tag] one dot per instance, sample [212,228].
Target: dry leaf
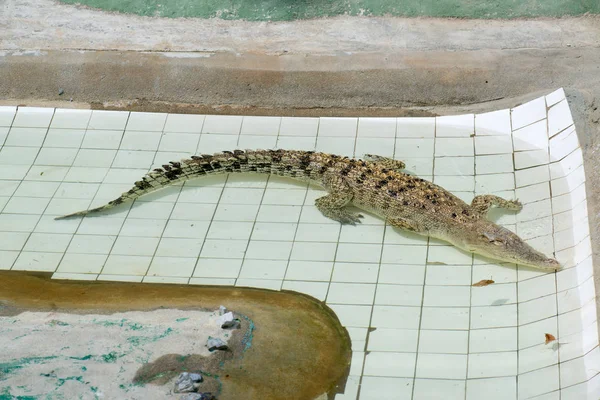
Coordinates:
[549,338]
[483,282]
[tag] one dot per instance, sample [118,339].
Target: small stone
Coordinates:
[216,344]
[222,310]
[192,396]
[227,317]
[184,383]
[195,377]
[61,92]
[235,324]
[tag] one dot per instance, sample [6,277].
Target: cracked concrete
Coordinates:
[338,66]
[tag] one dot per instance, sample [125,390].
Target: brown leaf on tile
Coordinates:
[483,282]
[549,338]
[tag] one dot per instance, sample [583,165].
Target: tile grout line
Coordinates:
[153,257]
[472,267]
[95,193]
[385,226]
[424,279]
[21,182]
[554,244]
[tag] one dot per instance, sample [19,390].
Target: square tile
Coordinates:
[318,290]
[400,340]
[531,158]
[448,275]
[419,166]
[111,120]
[385,388]
[399,254]
[441,366]
[179,247]
[91,244]
[299,126]
[455,126]
[142,228]
[448,147]
[351,293]
[535,310]
[533,334]
[263,269]
[184,123]
[555,97]
[358,252]
[343,146]
[490,365]
[401,274]
[445,318]
[533,193]
[94,158]
[449,255]
[396,317]
[455,183]
[309,251]
[353,315]
[563,144]
[390,364]
[3,134]
[270,231]
[447,296]
[531,176]
[66,138]
[17,155]
[47,242]
[377,127]
[216,248]
[37,261]
[528,113]
[222,124]
[7,114]
[353,273]
[492,388]
[495,123]
[140,140]
[417,148]
[26,205]
[443,341]
[531,137]
[71,118]
[567,165]
[536,357]
[18,222]
[126,265]
[284,196]
[265,126]
[573,277]
[135,246]
[379,146]
[257,142]
[538,382]
[493,340]
[399,295]
[12,240]
[25,137]
[218,268]
[494,316]
[454,166]
[82,263]
[145,121]
[56,157]
[33,117]
[172,266]
[339,127]
[559,118]
[287,214]
[494,183]
[296,143]
[568,183]
[575,298]
[436,388]
[537,287]
[415,127]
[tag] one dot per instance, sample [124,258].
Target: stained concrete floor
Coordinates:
[340,66]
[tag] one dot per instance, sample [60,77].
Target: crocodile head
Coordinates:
[493,241]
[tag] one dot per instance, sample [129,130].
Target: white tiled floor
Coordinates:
[418,328]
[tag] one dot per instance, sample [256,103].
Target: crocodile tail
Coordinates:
[261,161]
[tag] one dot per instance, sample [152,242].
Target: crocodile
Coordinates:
[374,184]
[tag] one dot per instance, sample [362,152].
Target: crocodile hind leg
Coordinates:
[333,205]
[481,204]
[385,162]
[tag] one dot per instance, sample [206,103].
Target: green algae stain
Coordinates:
[84,358]
[141,340]
[181,319]
[110,357]
[10,367]
[56,322]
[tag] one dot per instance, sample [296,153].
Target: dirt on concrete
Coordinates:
[299,348]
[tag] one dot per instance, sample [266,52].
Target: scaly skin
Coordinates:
[375,184]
